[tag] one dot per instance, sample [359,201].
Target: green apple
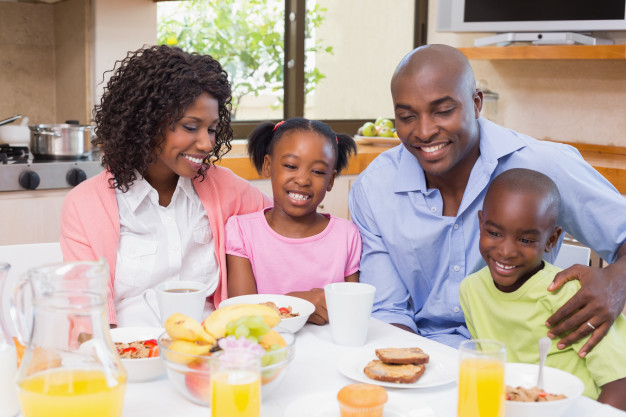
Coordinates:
[385,122]
[385,132]
[380,119]
[369,129]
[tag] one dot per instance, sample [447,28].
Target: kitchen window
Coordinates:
[330,60]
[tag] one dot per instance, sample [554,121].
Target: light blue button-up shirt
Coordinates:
[417,258]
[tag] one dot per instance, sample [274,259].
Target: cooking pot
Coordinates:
[60,141]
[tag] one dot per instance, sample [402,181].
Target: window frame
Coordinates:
[293,64]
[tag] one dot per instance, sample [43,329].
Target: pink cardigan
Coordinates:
[90,221]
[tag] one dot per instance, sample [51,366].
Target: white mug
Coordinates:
[349,307]
[186,297]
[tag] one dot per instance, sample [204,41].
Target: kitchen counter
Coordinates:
[610,161]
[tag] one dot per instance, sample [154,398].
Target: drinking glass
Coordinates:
[235,384]
[481,378]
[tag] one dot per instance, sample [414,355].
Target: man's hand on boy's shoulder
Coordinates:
[594,308]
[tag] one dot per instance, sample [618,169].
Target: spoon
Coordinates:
[544,345]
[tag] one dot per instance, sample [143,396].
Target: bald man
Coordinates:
[416,206]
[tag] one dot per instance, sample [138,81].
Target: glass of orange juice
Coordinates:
[235,384]
[481,378]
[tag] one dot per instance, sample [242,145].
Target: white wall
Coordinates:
[119,26]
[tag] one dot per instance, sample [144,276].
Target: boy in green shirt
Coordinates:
[508,300]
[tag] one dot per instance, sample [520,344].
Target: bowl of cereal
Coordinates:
[294,311]
[561,389]
[139,352]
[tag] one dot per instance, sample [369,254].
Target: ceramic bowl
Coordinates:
[555,382]
[190,374]
[143,369]
[298,305]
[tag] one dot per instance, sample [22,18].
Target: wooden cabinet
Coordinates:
[335,202]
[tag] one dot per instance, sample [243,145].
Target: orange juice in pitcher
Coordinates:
[69,393]
[57,306]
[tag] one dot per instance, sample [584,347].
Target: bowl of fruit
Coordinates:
[186,347]
[379,132]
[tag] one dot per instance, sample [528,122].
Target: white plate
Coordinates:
[377,140]
[324,404]
[441,369]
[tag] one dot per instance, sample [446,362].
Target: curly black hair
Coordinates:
[148,93]
[262,139]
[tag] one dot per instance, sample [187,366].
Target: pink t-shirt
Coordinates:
[282,265]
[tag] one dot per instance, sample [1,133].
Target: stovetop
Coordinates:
[20,171]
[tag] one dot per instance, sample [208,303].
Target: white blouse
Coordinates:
[154,241]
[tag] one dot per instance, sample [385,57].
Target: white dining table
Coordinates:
[313,380]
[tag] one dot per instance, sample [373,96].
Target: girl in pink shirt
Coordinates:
[291,248]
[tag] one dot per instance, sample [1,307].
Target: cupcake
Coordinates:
[361,400]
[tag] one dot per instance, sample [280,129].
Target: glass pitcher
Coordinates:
[57,306]
[9,405]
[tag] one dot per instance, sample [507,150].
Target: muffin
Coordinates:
[361,400]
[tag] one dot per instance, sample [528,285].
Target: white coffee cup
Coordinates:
[186,297]
[349,307]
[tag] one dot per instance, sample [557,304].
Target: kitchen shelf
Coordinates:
[546,52]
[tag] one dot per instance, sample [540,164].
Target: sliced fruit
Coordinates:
[187,348]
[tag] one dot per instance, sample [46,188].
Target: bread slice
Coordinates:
[402,356]
[400,374]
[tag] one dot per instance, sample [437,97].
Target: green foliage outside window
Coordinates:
[245,36]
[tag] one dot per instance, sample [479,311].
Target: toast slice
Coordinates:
[399,374]
[403,356]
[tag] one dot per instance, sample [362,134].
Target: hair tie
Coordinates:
[336,140]
[278,124]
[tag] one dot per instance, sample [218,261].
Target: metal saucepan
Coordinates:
[60,141]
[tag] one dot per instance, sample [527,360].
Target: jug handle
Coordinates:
[17,313]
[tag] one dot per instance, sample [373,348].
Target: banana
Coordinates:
[182,327]
[215,323]
[187,349]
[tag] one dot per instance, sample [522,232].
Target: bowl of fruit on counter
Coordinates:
[187,345]
[379,132]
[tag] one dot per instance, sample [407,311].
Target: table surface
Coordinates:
[313,378]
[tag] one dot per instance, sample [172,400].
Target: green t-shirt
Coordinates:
[518,320]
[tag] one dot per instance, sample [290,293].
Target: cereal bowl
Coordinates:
[555,382]
[190,374]
[137,369]
[298,305]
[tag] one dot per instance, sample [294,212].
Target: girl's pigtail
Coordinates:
[259,142]
[346,146]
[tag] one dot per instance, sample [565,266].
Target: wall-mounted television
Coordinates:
[531,15]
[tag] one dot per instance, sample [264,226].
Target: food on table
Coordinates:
[399,374]
[532,395]
[215,323]
[179,326]
[397,365]
[285,312]
[138,349]
[193,343]
[402,356]
[361,400]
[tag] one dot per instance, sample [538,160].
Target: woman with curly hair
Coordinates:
[157,212]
